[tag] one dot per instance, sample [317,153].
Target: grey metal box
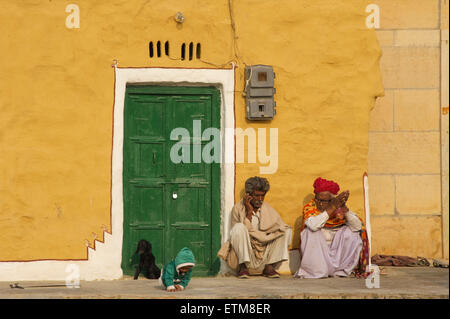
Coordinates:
[259,91]
[256,92]
[261,109]
[259,75]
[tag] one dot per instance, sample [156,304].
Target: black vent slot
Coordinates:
[166,48]
[150,49]
[198,51]
[183,51]
[156,48]
[191,50]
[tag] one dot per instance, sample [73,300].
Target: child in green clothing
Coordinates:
[177,274]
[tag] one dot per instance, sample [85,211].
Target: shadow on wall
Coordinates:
[298,222]
[294,253]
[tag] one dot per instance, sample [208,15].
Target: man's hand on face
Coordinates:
[339,213]
[342,198]
[332,207]
[337,204]
[248,205]
[340,216]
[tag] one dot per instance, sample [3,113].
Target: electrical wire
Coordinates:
[233,29]
[236,53]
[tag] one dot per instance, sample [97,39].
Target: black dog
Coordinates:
[146,261]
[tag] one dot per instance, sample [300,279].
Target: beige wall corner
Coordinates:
[382,194]
[385,38]
[410,67]
[382,115]
[418,194]
[408,133]
[444,14]
[394,235]
[417,38]
[408,14]
[404,153]
[417,110]
[444,135]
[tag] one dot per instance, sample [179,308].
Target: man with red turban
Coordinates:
[330,235]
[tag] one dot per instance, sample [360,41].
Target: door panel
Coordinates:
[148,116]
[186,208]
[149,204]
[188,169]
[150,160]
[151,211]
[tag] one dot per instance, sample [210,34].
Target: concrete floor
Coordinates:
[396,282]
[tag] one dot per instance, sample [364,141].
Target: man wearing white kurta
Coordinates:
[330,240]
[316,223]
[259,238]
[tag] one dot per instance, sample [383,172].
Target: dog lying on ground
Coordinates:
[146,261]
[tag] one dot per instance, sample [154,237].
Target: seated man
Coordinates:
[259,238]
[330,239]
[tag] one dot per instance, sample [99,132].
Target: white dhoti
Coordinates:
[276,251]
[338,258]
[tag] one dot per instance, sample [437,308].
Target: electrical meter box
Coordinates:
[259,91]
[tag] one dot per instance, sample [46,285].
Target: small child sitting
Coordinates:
[177,274]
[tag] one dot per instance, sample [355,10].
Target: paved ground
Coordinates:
[397,282]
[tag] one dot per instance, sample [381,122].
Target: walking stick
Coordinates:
[367,214]
[373,281]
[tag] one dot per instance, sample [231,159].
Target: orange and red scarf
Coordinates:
[311,210]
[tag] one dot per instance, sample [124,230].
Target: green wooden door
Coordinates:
[172,205]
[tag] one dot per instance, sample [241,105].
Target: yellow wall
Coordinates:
[56,88]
